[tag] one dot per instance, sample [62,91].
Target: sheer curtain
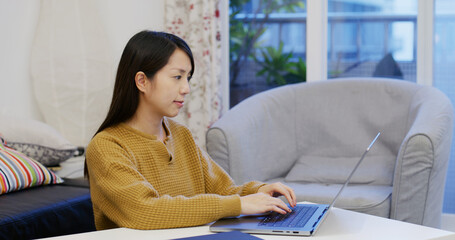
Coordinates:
[70,68]
[198,23]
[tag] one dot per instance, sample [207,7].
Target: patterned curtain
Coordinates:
[198,23]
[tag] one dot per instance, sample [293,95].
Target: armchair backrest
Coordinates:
[338,120]
[259,133]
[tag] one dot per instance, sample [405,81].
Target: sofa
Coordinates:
[310,136]
[47,211]
[42,189]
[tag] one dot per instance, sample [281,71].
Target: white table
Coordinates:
[340,224]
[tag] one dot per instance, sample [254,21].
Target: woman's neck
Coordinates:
[148,125]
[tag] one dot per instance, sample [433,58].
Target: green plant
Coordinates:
[297,72]
[278,68]
[246,32]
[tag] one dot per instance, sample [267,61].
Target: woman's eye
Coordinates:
[178,77]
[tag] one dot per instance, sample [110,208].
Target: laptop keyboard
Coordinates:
[297,218]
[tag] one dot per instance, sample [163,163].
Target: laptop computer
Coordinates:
[304,219]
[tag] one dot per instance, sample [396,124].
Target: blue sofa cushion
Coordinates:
[46,211]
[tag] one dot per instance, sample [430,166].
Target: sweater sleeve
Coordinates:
[219,182]
[127,199]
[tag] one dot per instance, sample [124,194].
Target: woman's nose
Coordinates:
[185,88]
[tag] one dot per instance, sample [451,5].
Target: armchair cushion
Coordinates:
[370,199]
[315,169]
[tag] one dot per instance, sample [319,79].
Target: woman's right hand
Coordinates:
[261,203]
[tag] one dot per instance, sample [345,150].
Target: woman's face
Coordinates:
[165,93]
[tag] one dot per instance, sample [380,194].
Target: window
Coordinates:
[364,38]
[267,45]
[372,38]
[444,60]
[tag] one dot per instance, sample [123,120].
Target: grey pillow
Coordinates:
[47,156]
[36,140]
[335,170]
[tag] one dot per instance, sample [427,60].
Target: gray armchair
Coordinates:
[310,136]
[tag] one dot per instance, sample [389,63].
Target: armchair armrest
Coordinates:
[422,160]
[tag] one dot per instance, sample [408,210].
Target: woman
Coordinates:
[145,170]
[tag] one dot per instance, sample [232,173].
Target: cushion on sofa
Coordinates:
[46,211]
[36,139]
[18,171]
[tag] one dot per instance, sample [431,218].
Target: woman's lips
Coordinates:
[179,103]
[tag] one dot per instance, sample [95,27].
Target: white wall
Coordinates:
[18,21]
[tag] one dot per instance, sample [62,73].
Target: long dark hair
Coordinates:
[146,51]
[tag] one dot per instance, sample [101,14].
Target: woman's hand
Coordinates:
[266,200]
[279,189]
[261,203]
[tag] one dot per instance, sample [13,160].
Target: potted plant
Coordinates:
[278,67]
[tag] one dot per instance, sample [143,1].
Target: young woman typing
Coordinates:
[145,169]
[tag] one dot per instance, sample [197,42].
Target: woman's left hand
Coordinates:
[278,189]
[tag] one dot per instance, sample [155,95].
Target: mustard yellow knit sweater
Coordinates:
[138,182]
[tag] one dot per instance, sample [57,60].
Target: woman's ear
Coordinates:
[141,81]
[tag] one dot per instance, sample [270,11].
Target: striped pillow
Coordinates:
[17,171]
